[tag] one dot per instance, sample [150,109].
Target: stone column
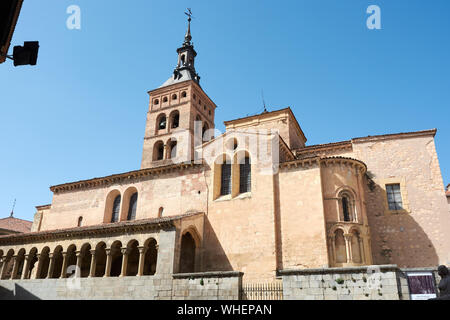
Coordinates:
[93,264]
[15,267]
[108,263]
[141,261]
[361,250]
[348,246]
[2,264]
[64,266]
[51,265]
[26,266]
[78,265]
[333,248]
[124,262]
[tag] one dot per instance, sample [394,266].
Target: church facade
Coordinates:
[255,199]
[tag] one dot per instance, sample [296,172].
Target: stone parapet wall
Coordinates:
[207,286]
[353,283]
[210,285]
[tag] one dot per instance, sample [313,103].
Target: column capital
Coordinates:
[141,249]
[348,236]
[124,251]
[92,251]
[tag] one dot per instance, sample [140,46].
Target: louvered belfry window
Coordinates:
[394,197]
[116,209]
[245,176]
[225,188]
[132,207]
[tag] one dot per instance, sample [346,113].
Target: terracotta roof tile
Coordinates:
[15,225]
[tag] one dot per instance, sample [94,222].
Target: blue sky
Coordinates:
[80,113]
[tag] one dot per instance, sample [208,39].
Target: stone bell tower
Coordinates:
[176,108]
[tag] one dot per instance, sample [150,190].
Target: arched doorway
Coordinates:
[188,251]
[151,257]
[58,260]
[100,259]
[133,258]
[116,259]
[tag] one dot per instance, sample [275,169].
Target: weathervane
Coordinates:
[14,205]
[189,14]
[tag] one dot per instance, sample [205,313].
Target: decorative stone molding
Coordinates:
[120,178]
[104,229]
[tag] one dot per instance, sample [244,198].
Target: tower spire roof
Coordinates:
[185,69]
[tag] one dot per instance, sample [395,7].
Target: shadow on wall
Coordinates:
[396,238]
[18,293]
[214,257]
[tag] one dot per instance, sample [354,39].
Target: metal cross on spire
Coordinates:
[188,37]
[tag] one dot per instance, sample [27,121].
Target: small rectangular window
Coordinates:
[394,197]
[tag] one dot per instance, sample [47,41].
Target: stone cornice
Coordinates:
[306,162]
[402,135]
[103,229]
[116,178]
[335,146]
[346,161]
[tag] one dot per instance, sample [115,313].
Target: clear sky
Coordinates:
[80,113]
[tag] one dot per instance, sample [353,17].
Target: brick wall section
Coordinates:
[197,286]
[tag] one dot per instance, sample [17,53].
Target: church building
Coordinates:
[256,199]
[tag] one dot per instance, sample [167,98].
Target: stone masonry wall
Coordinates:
[211,286]
[354,283]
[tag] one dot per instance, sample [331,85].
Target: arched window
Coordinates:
[160,212]
[165,99]
[132,207]
[205,128]
[80,221]
[158,151]
[116,209]
[347,206]
[183,94]
[156,102]
[174,97]
[162,122]
[173,149]
[245,176]
[175,120]
[225,185]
